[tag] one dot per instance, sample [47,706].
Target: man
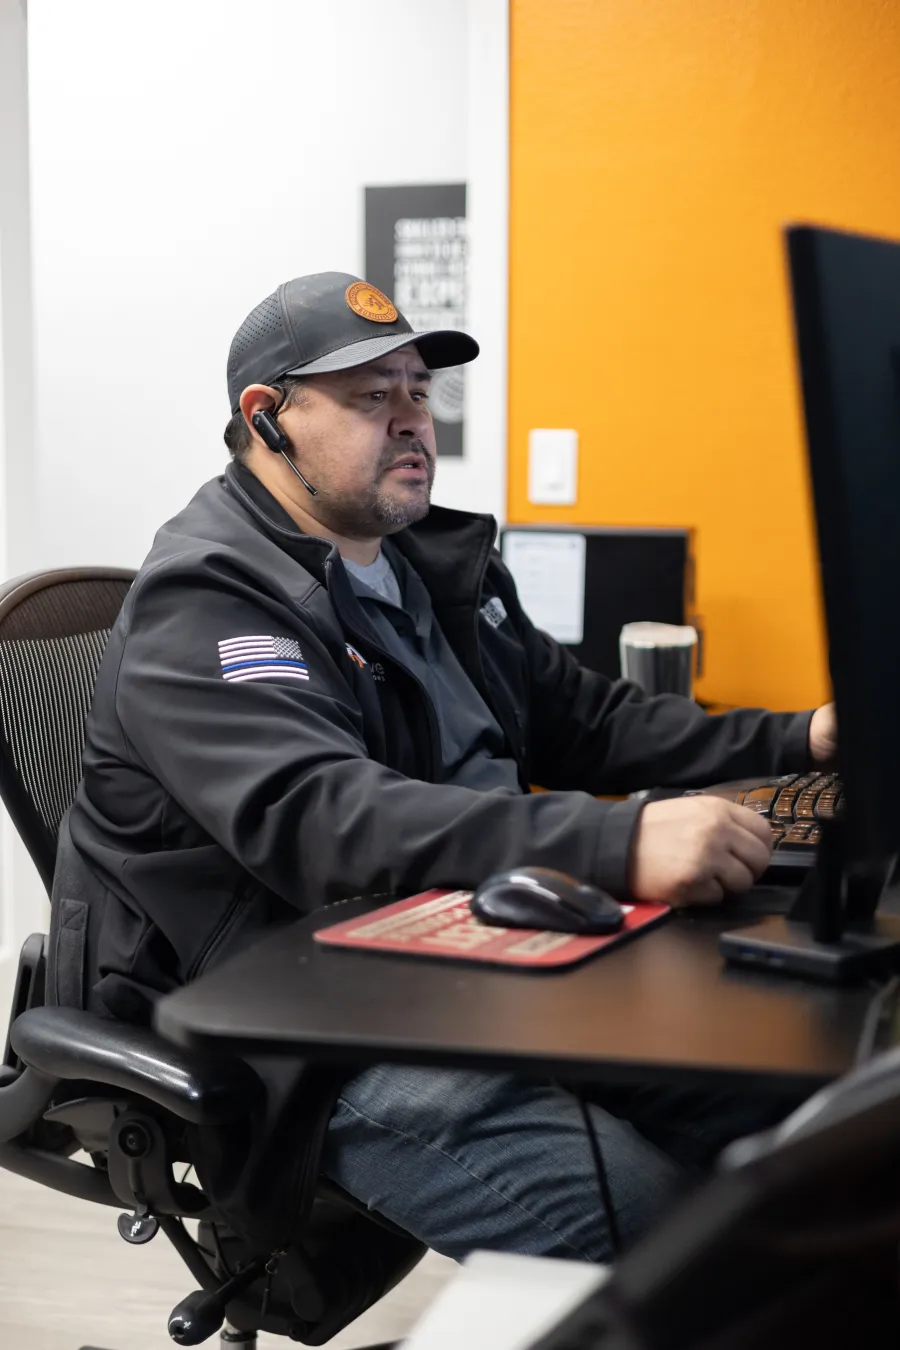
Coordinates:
[318,688]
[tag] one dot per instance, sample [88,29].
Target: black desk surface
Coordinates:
[662,1006]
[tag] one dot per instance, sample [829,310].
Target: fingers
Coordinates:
[706,891]
[694,851]
[726,875]
[749,848]
[741,852]
[746,849]
[734,875]
[752,823]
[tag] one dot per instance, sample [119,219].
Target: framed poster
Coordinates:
[416,253]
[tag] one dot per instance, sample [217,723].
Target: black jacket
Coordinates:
[211,809]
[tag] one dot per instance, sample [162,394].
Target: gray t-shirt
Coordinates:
[378,577]
[398,606]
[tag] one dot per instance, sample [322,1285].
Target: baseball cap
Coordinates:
[329,321]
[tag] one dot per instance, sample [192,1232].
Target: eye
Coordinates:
[420,395]
[377,395]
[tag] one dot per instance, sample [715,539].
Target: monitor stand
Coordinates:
[833,931]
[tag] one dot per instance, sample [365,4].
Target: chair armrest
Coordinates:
[65,1043]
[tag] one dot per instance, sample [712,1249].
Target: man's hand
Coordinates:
[694,850]
[823,737]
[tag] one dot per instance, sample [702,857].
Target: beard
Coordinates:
[379,510]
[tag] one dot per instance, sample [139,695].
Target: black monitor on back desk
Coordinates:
[629,573]
[846,291]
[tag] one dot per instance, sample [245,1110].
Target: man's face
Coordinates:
[365,440]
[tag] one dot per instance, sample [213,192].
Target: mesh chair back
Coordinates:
[54,627]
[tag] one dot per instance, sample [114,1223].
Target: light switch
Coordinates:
[552,466]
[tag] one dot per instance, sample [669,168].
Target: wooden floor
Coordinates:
[68,1280]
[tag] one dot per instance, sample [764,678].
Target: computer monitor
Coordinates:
[846,293]
[847,313]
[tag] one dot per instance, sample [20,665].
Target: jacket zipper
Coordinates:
[430,715]
[366,641]
[515,742]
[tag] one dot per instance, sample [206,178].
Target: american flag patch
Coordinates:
[262,658]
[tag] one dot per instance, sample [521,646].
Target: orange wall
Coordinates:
[657,147]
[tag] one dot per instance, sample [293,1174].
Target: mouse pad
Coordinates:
[440,923]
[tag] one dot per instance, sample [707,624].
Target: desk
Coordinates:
[661,1007]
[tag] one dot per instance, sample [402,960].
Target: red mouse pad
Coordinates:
[440,923]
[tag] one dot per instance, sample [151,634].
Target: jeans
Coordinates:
[466,1160]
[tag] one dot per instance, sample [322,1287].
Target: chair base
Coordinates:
[229,1339]
[246,1340]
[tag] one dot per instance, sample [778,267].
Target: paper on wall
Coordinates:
[548,569]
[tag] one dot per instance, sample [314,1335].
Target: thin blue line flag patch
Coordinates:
[262,658]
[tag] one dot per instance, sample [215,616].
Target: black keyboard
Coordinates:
[795,805]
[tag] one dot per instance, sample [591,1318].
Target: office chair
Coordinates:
[277,1248]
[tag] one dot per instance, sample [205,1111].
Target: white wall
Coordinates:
[480,483]
[23,903]
[16,374]
[186,156]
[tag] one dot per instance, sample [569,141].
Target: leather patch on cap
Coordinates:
[370,303]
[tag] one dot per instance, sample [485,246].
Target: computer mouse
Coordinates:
[539,897]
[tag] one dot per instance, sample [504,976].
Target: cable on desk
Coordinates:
[606,1200]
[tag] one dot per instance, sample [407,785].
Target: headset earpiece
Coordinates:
[269,431]
[270,434]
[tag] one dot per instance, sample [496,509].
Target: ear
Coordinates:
[256,398]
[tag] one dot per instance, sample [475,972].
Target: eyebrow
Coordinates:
[397,372]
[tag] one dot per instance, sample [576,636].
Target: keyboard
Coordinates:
[794,805]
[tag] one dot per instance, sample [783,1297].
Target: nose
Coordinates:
[409,418]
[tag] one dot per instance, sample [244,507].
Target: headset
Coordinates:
[270,434]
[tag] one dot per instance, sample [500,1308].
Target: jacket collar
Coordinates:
[449,549]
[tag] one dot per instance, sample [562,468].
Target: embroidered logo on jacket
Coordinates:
[262,658]
[494,611]
[355,657]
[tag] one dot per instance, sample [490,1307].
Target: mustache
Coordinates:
[391,453]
